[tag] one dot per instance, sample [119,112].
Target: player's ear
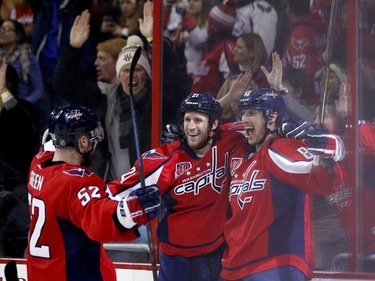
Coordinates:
[272,123]
[215,124]
[84,143]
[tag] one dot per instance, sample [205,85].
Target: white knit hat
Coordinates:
[339,71]
[127,53]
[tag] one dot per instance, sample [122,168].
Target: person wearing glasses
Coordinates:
[17,52]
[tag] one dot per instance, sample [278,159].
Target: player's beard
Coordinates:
[202,142]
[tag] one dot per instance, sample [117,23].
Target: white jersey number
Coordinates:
[85,195]
[38,209]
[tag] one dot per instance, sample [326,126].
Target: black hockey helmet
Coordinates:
[67,123]
[266,99]
[203,103]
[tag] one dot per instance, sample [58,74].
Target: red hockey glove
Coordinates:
[189,22]
[140,206]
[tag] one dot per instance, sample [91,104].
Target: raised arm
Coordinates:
[146,23]
[80,30]
[6,98]
[238,88]
[275,77]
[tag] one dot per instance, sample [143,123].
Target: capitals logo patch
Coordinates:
[182,168]
[153,155]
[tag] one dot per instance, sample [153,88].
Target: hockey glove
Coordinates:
[294,128]
[329,146]
[140,206]
[171,134]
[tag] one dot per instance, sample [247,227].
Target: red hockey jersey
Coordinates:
[305,50]
[194,190]
[270,222]
[71,215]
[214,67]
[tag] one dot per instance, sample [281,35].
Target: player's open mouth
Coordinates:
[249,131]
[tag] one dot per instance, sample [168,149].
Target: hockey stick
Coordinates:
[327,62]
[135,59]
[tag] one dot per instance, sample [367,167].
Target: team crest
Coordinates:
[153,155]
[182,168]
[234,164]
[79,172]
[74,114]
[300,43]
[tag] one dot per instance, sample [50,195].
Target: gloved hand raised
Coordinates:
[329,146]
[171,134]
[139,207]
[295,128]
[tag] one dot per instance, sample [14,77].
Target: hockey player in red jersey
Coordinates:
[193,177]
[268,233]
[71,213]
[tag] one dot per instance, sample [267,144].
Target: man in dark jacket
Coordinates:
[110,101]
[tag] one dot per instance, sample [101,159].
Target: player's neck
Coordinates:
[203,150]
[68,155]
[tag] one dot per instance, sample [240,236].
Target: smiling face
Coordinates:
[197,131]
[255,126]
[139,79]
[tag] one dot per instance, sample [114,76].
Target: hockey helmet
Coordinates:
[266,99]
[203,103]
[67,123]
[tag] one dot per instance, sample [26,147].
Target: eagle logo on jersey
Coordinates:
[234,164]
[182,168]
[300,44]
[79,172]
[153,155]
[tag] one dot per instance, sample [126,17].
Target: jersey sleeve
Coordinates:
[92,210]
[157,169]
[291,162]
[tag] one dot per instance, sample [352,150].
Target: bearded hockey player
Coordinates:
[193,177]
